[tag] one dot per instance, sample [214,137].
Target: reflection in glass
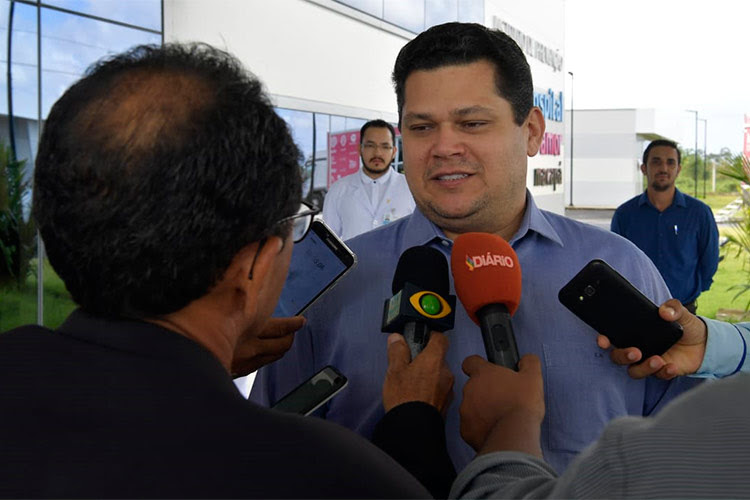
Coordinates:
[143,13]
[408,14]
[71,43]
[471,11]
[372,7]
[18,285]
[440,11]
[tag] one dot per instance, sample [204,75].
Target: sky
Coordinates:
[664,54]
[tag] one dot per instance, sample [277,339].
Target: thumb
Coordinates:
[530,363]
[398,352]
[472,364]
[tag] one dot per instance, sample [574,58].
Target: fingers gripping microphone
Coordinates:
[420,301]
[487,277]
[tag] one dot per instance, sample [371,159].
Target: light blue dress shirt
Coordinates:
[583,388]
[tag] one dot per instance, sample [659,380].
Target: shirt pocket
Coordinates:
[584,390]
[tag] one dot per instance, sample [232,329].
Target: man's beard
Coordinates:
[375,171]
[661,187]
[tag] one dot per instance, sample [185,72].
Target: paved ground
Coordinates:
[597,217]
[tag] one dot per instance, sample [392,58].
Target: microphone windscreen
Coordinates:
[424,267]
[485,271]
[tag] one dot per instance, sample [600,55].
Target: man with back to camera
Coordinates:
[676,231]
[376,194]
[167,192]
[696,447]
[468,124]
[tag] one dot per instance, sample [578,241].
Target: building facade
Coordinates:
[327,64]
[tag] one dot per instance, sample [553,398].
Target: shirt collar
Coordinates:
[366,180]
[679,199]
[421,231]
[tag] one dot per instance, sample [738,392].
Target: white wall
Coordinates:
[317,55]
[607,149]
[309,57]
[542,20]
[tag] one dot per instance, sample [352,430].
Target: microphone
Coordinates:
[420,301]
[487,277]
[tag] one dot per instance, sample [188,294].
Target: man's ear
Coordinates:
[643,168]
[251,269]
[536,126]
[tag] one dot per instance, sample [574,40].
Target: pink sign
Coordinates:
[343,154]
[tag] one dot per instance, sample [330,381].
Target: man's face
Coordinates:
[661,169]
[377,150]
[464,156]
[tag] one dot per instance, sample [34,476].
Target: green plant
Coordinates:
[17,234]
[738,168]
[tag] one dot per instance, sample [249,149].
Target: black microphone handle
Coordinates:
[417,334]
[498,336]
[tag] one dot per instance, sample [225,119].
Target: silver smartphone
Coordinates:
[319,260]
[313,392]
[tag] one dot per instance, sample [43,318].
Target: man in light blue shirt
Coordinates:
[468,123]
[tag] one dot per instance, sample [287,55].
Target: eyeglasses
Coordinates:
[301,221]
[371,146]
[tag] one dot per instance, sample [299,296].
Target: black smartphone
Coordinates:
[612,306]
[319,260]
[313,392]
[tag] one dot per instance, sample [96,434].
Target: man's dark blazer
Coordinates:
[113,408]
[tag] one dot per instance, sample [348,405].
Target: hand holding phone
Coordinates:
[683,358]
[613,307]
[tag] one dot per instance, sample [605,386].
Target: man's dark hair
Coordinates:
[153,171]
[465,43]
[662,142]
[377,124]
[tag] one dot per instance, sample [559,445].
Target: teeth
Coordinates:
[452,177]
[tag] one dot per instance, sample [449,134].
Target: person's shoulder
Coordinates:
[565,225]
[322,450]
[577,233]
[381,239]
[695,203]
[27,335]
[25,330]
[629,204]
[341,184]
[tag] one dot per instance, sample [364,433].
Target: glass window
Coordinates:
[440,11]
[18,279]
[372,7]
[143,13]
[408,14]
[70,43]
[471,11]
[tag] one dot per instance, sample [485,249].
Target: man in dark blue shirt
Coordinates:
[675,230]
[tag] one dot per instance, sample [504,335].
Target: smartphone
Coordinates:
[313,392]
[612,306]
[319,260]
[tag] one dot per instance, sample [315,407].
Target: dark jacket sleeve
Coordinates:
[414,435]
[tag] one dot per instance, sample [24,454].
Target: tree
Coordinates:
[17,242]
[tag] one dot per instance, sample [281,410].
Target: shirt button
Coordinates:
[445,243]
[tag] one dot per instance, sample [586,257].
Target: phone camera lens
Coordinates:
[589,290]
